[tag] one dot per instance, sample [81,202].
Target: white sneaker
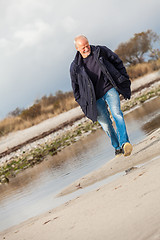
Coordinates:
[127,149]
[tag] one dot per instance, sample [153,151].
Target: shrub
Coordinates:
[31,112]
[143,68]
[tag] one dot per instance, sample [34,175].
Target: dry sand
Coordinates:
[125,209]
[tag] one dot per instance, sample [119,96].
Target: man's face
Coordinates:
[83,47]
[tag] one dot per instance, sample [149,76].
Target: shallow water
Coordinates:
[33,191]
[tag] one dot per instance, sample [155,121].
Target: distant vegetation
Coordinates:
[139,56]
[139,48]
[140,69]
[42,109]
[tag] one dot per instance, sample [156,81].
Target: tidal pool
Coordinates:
[33,191]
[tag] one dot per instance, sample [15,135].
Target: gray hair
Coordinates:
[81,36]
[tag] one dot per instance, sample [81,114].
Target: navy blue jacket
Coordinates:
[112,67]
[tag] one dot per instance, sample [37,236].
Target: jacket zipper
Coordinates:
[90,87]
[105,71]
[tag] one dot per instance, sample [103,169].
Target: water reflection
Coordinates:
[32,191]
[152,125]
[62,164]
[147,109]
[141,121]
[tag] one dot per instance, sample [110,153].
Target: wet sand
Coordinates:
[16,140]
[126,208]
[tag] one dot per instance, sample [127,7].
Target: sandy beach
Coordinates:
[125,208]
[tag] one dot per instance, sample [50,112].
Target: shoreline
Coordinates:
[65,137]
[143,152]
[129,200]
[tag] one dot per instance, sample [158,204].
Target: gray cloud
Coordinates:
[36,41]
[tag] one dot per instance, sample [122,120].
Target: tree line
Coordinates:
[41,106]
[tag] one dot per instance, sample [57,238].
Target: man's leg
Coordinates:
[113,101]
[106,123]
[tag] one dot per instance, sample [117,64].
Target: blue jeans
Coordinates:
[120,136]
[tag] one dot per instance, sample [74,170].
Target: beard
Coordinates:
[86,54]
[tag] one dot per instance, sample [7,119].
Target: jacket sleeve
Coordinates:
[115,60]
[74,82]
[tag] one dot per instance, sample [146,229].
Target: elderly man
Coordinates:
[98,78]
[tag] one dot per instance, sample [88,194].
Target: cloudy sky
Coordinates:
[36,41]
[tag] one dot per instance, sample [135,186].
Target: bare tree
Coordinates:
[134,50]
